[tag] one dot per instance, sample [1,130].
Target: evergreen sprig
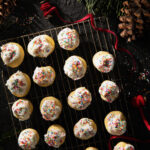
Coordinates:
[103,7]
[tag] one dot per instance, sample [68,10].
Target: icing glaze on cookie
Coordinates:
[21,109]
[43,75]
[17,83]
[104,62]
[39,47]
[50,110]
[9,53]
[127,147]
[27,139]
[54,137]
[84,129]
[109,90]
[68,39]
[81,98]
[116,125]
[74,68]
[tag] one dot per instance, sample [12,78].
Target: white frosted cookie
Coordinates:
[50,108]
[75,67]
[115,123]
[22,109]
[109,91]
[85,129]
[44,76]
[28,139]
[55,136]
[79,99]
[124,146]
[12,54]
[41,46]
[68,39]
[103,61]
[19,84]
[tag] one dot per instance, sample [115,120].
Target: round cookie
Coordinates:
[115,123]
[103,61]
[28,139]
[91,148]
[55,136]
[19,84]
[79,99]
[22,109]
[75,67]
[12,54]
[50,108]
[41,46]
[68,39]
[44,76]
[85,129]
[124,146]
[109,91]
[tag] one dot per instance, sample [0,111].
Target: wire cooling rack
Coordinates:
[91,42]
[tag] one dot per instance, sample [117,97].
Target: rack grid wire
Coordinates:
[91,41]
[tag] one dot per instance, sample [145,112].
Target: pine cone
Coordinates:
[135,19]
[6,7]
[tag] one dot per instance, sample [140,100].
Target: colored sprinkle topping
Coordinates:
[115,125]
[54,137]
[109,90]
[21,109]
[43,76]
[81,98]
[27,139]
[39,46]
[49,110]
[104,63]
[68,39]
[17,83]
[74,68]
[84,128]
[127,147]
[10,52]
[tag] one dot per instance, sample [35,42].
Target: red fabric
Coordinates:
[138,102]
[48,9]
[126,138]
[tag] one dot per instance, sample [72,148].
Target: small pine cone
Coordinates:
[125,19]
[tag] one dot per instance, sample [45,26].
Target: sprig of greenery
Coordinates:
[103,7]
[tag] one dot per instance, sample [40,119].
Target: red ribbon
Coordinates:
[138,102]
[126,138]
[48,9]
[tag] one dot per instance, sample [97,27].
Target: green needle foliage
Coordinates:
[103,7]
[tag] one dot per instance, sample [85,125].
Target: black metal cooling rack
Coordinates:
[91,42]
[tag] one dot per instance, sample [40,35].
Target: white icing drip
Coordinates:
[10,52]
[84,129]
[17,83]
[54,137]
[129,147]
[39,47]
[109,90]
[21,109]
[68,39]
[46,78]
[74,68]
[27,139]
[116,126]
[49,110]
[81,98]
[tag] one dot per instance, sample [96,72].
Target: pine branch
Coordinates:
[103,7]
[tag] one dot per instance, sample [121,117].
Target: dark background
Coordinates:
[29,19]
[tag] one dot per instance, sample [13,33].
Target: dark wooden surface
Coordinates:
[71,11]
